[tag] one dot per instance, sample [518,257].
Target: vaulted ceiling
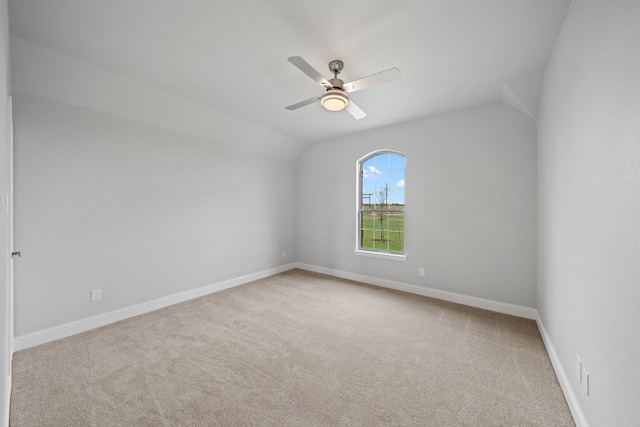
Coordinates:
[230,57]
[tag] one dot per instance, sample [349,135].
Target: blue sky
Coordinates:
[380,171]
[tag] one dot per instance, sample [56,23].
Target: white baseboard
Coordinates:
[62,331]
[563,379]
[499,307]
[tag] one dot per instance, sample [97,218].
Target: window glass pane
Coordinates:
[396,221]
[396,198]
[396,180]
[367,239]
[367,200]
[369,171]
[366,220]
[396,234]
[396,162]
[374,220]
[370,162]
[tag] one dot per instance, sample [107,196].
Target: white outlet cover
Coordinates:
[579,368]
[585,381]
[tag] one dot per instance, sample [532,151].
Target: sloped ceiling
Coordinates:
[229,58]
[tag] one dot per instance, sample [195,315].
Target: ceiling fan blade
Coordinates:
[355,111]
[373,80]
[309,71]
[302,103]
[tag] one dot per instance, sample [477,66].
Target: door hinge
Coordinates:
[15,254]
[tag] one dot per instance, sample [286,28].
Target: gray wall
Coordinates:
[5,333]
[470,203]
[135,210]
[589,206]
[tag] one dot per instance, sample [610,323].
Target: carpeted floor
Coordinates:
[295,349]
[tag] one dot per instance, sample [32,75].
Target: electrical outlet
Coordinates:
[585,381]
[284,254]
[579,368]
[96,294]
[421,271]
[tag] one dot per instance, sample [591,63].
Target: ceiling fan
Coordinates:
[336,97]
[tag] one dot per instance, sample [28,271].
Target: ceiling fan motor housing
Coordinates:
[336,83]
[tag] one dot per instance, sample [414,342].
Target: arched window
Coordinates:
[381,204]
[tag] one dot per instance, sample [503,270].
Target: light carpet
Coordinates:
[295,349]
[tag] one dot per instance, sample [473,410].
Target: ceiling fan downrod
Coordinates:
[336,67]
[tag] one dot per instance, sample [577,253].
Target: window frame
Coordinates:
[372,252]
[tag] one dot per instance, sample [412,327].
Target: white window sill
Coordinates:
[383,255]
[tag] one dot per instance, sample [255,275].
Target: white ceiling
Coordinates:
[232,55]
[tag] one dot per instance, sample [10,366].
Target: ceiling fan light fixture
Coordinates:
[334,100]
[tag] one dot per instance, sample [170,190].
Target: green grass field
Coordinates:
[383,230]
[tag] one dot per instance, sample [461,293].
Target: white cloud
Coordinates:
[400,183]
[370,172]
